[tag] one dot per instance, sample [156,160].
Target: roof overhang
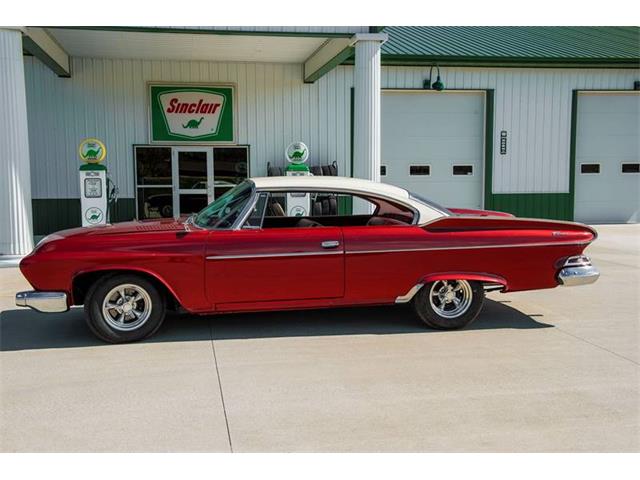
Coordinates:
[38,42]
[333,53]
[189,44]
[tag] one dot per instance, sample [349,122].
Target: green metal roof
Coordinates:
[613,46]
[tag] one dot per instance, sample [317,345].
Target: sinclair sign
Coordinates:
[192,113]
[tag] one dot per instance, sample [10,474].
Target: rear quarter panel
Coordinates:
[385,262]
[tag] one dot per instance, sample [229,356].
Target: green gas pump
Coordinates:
[93,182]
[297,154]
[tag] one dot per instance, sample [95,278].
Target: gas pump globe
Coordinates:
[93,182]
[298,204]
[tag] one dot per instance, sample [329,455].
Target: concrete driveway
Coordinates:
[554,370]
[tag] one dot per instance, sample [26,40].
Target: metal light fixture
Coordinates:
[438,85]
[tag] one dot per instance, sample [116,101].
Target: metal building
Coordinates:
[538,121]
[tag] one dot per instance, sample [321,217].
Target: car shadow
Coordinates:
[23,329]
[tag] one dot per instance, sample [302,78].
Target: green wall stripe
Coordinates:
[54,214]
[352,102]
[572,150]
[488,147]
[557,206]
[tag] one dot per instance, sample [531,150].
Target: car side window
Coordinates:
[300,209]
[257,213]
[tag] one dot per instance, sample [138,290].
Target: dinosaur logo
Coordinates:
[93,215]
[191,112]
[92,154]
[193,123]
[92,150]
[297,152]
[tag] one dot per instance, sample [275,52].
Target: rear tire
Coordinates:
[449,304]
[124,308]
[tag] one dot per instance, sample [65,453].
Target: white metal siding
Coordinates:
[107,99]
[534,107]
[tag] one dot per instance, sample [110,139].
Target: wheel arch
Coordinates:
[485,278]
[82,282]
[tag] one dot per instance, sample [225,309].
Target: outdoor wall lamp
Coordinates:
[438,85]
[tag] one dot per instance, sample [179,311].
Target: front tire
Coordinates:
[124,308]
[449,304]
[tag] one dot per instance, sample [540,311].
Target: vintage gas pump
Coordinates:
[298,204]
[93,182]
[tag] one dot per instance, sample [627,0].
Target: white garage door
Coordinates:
[608,158]
[433,144]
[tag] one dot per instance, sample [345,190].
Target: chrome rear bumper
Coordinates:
[47,302]
[578,271]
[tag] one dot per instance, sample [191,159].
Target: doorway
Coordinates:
[173,181]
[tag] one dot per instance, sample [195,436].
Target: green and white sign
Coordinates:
[192,113]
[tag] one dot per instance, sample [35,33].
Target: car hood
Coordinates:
[136,226]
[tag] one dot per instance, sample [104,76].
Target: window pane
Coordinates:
[192,170]
[192,203]
[155,203]
[219,213]
[229,166]
[590,168]
[153,165]
[255,218]
[631,168]
[419,170]
[383,170]
[463,170]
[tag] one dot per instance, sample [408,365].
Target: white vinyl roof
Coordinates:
[351,185]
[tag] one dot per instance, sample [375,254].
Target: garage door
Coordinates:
[433,143]
[607,158]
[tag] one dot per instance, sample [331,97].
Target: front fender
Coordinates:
[116,268]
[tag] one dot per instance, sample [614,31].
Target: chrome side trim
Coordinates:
[273,255]
[406,298]
[492,287]
[471,247]
[573,276]
[47,302]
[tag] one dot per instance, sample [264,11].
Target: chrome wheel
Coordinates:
[126,307]
[450,298]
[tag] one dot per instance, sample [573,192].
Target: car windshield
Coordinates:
[429,203]
[223,212]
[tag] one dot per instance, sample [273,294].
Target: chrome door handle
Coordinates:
[330,244]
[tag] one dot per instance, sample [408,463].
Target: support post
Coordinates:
[366,146]
[16,233]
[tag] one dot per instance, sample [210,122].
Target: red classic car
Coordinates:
[301,242]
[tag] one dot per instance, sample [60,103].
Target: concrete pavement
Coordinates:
[553,370]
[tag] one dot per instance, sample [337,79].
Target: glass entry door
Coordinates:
[192,170]
[172,181]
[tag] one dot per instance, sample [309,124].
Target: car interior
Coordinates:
[325,211]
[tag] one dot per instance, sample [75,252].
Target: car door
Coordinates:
[256,265]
